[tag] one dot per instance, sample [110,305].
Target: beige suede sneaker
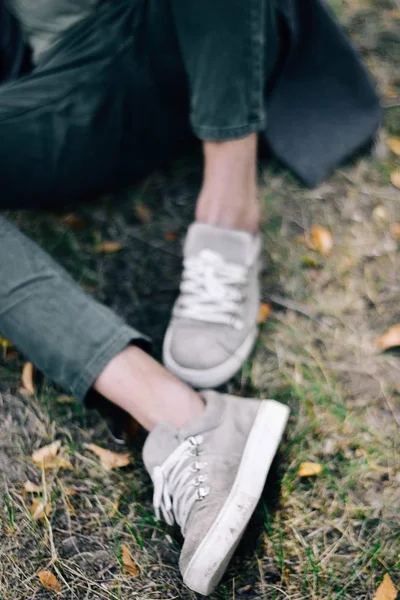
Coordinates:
[208,477]
[214,323]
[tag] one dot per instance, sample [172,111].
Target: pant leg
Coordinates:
[69,336]
[230,49]
[96,114]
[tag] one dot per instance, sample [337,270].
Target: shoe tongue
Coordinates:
[160,443]
[164,438]
[234,246]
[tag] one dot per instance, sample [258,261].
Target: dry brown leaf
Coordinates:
[309,469]
[109,460]
[130,567]
[46,453]
[395,231]
[264,312]
[57,463]
[32,488]
[27,378]
[65,399]
[49,581]
[108,247]
[394,145]
[74,222]
[390,92]
[142,212]
[114,508]
[171,236]
[390,339]
[39,509]
[395,179]
[71,491]
[321,240]
[386,590]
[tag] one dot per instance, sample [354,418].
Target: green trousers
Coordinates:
[114,95]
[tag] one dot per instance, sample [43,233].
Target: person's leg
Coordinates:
[230,50]
[77,342]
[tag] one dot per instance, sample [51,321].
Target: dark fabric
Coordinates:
[324,105]
[12,47]
[110,102]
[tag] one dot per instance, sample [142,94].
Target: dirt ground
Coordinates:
[330,537]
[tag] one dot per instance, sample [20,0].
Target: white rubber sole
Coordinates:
[210,560]
[216,376]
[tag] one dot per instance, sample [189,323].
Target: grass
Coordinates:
[329,537]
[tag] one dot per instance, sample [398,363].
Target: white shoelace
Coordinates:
[211,290]
[178,486]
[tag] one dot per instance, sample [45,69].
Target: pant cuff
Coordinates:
[123,338]
[226,134]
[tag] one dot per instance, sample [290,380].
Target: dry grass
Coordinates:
[332,537]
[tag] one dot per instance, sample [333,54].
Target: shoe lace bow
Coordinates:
[211,290]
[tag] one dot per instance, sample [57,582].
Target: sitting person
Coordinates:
[97,93]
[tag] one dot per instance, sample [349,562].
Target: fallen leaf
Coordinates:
[390,339]
[394,145]
[395,231]
[379,214]
[65,399]
[39,509]
[109,460]
[108,247]
[5,343]
[27,378]
[71,491]
[130,567]
[264,312]
[309,469]
[321,240]
[74,222]
[395,179]
[390,91]
[142,212]
[57,463]
[46,453]
[49,581]
[171,236]
[386,590]
[114,508]
[32,488]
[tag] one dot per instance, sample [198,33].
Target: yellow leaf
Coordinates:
[171,236]
[49,581]
[395,231]
[109,460]
[109,247]
[74,222]
[390,339]
[27,378]
[309,469]
[130,567]
[395,179]
[264,312]
[386,590]
[114,508]
[32,488]
[57,463]
[39,509]
[5,343]
[46,453]
[65,399]
[321,240]
[142,212]
[394,145]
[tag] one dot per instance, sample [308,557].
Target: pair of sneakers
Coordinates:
[208,476]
